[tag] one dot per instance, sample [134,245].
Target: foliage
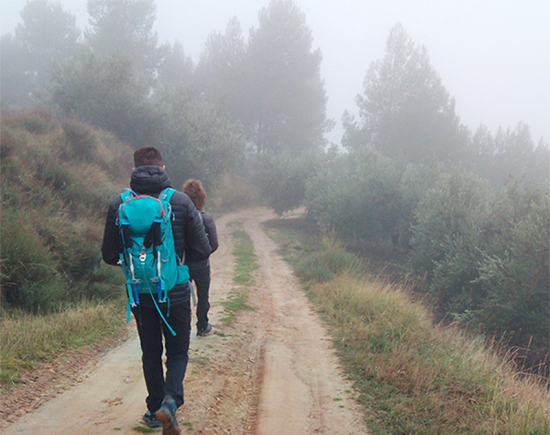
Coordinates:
[356,196]
[281,179]
[287,100]
[509,154]
[176,68]
[515,274]
[125,27]
[220,70]
[197,139]
[105,93]
[49,34]
[405,110]
[52,214]
[449,237]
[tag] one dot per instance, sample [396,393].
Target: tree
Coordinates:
[105,93]
[357,196]
[509,154]
[175,69]
[15,85]
[220,70]
[197,139]
[405,110]
[47,36]
[287,101]
[125,27]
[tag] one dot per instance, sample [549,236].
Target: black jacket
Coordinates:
[212,234]
[190,239]
[210,229]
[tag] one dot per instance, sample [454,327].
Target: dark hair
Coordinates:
[195,191]
[146,156]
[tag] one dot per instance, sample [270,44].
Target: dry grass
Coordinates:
[424,378]
[414,376]
[28,339]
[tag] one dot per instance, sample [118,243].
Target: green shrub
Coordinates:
[7,144]
[448,240]
[55,175]
[282,179]
[106,282]
[356,196]
[80,140]
[30,279]
[42,296]
[515,275]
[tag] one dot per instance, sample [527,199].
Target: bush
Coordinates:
[356,196]
[515,275]
[198,140]
[30,279]
[7,144]
[282,179]
[80,141]
[449,240]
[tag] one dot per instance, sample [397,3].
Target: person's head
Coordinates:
[148,156]
[195,191]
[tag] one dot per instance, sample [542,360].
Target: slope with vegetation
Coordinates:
[57,180]
[414,375]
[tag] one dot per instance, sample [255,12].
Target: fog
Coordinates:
[493,55]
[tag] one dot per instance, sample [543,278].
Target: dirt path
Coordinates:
[272,372]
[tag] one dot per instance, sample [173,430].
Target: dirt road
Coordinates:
[272,371]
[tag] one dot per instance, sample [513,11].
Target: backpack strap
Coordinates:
[133,298]
[166,194]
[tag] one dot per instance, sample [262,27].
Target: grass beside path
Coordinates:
[26,340]
[413,376]
[243,274]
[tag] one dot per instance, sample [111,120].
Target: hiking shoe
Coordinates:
[205,331]
[167,416]
[150,420]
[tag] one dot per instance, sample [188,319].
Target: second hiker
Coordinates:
[200,271]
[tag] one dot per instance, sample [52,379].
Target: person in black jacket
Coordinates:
[200,271]
[165,392]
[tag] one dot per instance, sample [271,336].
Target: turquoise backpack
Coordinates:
[148,258]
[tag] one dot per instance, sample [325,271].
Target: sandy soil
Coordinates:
[273,371]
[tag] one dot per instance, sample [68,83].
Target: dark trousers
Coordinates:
[152,329]
[200,274]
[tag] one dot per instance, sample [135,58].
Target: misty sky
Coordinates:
[493,55]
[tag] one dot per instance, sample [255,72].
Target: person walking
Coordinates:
[200,271]
[169,318]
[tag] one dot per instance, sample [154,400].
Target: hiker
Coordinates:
[170,315]
[200,271]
